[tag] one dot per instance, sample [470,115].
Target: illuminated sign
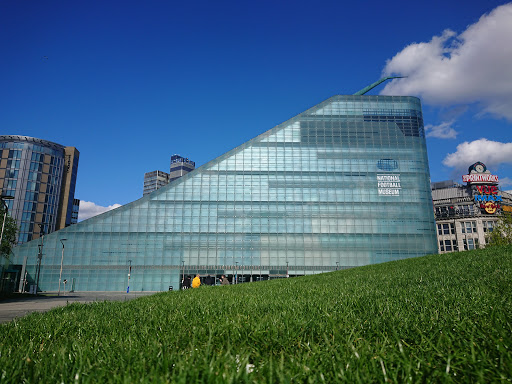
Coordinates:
[389,184]
[487,198]
[479,178]
[490,207]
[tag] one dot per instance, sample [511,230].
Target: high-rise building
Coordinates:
[179,166]
[76,209]
[343,184]
[154,180]
[466,214]
[41,176]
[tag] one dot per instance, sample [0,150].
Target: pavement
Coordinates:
[19,306]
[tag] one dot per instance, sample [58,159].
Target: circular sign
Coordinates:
[478,167]
[490,207]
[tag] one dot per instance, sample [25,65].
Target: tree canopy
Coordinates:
[502,232]
[9,235]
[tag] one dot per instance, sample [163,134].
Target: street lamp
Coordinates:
[3,198]
[39,256]
[129,274]
[61,261]
[236,272]
[287,274]
[183,275]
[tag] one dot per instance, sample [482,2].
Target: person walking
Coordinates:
[224,280]
[186,283]
[196,282]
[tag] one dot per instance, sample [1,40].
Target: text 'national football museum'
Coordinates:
[343,184]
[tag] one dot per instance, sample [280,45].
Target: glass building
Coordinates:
[41,176]
[343,184]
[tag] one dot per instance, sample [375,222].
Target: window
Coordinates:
[488,226]
[470,244]
[448,245]
[446,229]
[468,226]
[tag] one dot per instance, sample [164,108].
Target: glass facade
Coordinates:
[343,184]
[33,172]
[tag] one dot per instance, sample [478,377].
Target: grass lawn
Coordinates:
[440,318]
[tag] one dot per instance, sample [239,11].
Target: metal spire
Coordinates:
[370,87]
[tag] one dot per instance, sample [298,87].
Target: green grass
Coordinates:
[440,318]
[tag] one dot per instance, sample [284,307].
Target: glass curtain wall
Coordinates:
[344,184]
[32,171]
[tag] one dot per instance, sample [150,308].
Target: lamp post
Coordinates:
[129,274]
[39,255]
[61,262]
[236,272]
[337,265]
[183,275]
[287,274]
[3,198]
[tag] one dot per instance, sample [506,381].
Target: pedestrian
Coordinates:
[196,282]
[224,280]
[186,283]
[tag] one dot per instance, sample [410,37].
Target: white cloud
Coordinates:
[491,153]
[89,209]
[441,131]
[472,67]
[505,182]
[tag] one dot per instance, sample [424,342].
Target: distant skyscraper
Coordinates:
[41,176]
[76,208]
[154,180]
[179,166]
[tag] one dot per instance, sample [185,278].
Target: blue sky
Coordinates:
[130,83]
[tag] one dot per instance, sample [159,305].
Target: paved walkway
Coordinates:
[17,307]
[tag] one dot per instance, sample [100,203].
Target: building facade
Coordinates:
[76,211]
[465,214]
[41,176]
[180,166]
[343,184]
[154,180]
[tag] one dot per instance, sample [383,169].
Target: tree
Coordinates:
[502,232]
[9,236]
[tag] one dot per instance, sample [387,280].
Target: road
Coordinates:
[24,304]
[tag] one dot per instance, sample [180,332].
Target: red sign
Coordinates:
[479,178]
[487,189]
